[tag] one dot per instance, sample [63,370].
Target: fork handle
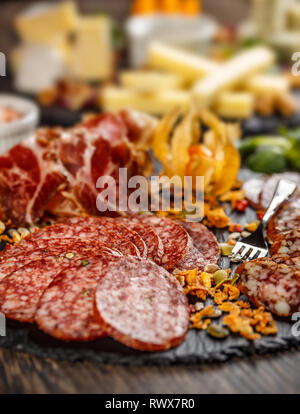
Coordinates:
[284,190]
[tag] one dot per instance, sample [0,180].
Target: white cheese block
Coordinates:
[268,84]
[149,81]
[38,68]
[92,58]
[116,98]
[43,20]
[232,73]
[235,105]
[188,65]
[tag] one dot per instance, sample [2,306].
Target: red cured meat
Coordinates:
[99,224]
[141,305]
[108,235]
[287,244]
[272,285]
[270,185]
[155,247]
[175,239]
[20,292]
[287,260]
[252,190]
[66,309]
[30,250]
[29,176]
[57,170]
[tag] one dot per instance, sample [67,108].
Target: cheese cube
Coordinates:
[115,98]
[43,21]
[92,51]
[232,73]
[268,84]
[188,65]
[149,81]
[235,105]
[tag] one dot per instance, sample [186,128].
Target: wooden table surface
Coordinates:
[22,373]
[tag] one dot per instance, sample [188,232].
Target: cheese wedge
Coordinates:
[116,98]
[92,58]
[188,65]
[235,105]
[232,73]
[42,21]
[149,81]
[268,84]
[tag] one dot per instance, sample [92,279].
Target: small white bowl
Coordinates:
[13,132]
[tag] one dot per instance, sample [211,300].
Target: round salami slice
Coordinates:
[193,259]
[252,190]
[109,224]
[204,241]
[287,218]
[287,244]
[155,247]
[270,185]
[66,309]
[110,236]
[20,292]
[141,305]
[175,239]
[287,260]
[272,285]
[23,253]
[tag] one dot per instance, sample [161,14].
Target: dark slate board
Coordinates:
[197,348]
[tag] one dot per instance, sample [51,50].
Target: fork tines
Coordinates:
[244,251]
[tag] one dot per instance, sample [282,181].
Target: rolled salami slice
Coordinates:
[175,239]
[30,250]
[66,309]
[287,218]
[108,224]
[287,244]
[110,236]
[141,305]
[20,292]
[272,285]
[155,247]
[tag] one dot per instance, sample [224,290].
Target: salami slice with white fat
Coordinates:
[287,260]
[155,247]
[141,305]
[252,190]
[110,236]
[175,239]
[287,244]
[272,285]
[287,218]
[66,309]
[109,224]
[20,292]
[33,249]
[270,185]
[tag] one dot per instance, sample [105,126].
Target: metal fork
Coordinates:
[255,245]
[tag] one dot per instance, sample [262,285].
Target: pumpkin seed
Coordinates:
[217,331]
[220,276]
[2,227]
[226,249]
[211,268]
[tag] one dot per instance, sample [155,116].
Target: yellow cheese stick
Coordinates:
[235,105]
[40,22]
[268,84]
[188,65]
[149,81]
[116,98]
[232,73]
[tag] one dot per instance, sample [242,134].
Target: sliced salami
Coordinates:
[204,241]
[23,253]
[252,190]
[287,244]
[270,185]
[272,285]
[66,309]
[155,247]
[109,224]
[288,260]
[20,292]
[110,236]
[141,305]
[287,218]
[175,239]
[192,260]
